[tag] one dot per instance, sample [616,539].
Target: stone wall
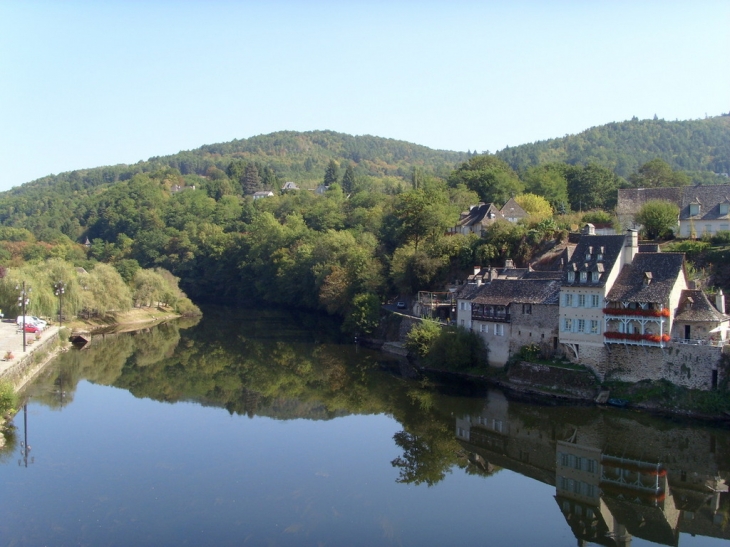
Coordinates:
[539,327]
[682,364]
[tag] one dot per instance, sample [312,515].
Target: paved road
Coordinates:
[12,340]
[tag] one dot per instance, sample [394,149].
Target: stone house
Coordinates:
[477,218]
[640,305]
[588,276]
[513,212]
[289,185]
[699,322]
[702,209]
[510,313]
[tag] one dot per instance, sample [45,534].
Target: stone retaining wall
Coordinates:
[23,369]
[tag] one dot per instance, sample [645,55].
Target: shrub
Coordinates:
[458,349]
[421,337]
[8,398]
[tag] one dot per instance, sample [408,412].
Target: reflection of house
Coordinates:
[639,306]
[702,209]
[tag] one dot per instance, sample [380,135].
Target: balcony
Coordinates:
[636,312]
[498,317]
[636,339]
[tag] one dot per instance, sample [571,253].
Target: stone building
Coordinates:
[477,218]
[702,209]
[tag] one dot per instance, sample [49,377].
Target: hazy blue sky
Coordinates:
[89,83]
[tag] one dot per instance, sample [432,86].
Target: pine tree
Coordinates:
[331,176]
[251,181]
[269,178]
[348,179]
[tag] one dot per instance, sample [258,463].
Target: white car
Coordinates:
[31,320]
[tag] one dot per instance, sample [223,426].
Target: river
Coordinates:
[267,428]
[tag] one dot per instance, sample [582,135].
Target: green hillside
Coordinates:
[692,145]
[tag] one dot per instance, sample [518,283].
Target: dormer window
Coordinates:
[588,256]
[694,209]
[595,276]
[647,278]
[724,208]
[583,277]
[571,277]
[599,257]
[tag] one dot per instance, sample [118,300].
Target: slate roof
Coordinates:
[631,284]
[709,198]
[503,292]
[630,200]
[609,247]
[512,209]
[479,214]
[694,306]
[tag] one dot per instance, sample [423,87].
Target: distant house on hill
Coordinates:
[702,209]
[177,188]
[513,212]
[321,189]
[289,186]
[477,218]
[262,194]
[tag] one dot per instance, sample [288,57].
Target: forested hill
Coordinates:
[692,145]
[301,157]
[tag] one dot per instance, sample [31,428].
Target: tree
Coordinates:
[549,182]
[657,174]
[348,179]
[592,187]
[537,206]
[488,176]
[657,218]
[331,175]
[251,181]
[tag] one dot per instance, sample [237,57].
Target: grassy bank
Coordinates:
[134,317]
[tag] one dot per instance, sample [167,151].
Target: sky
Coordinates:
[91,83]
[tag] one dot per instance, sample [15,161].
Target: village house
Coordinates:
[511,312]
[262,194]
[702,209]
[482,215]
[289,185]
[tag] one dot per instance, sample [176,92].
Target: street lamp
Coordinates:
[60,289]
[23,301]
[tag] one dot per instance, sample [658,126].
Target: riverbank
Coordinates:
[120,320]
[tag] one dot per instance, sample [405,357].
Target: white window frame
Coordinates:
[581,300]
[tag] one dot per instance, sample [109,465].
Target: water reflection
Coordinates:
[617,475]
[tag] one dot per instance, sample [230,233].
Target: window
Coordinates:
[694,209]
[498,329]
[595,276]
[481,327]
[568,325]
[527,309]
[583,277]
[724,227]
[588,256]
[723,208]
[708,228]
[599,257]
[571,277]
[581,300]
[590,466]
[568,300]
[581,325]
[594,326]
[594,301]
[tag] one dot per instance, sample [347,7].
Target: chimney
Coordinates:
[589,229]
[631,246]
[720,301]
[509,263]
[492,274]
[477,269]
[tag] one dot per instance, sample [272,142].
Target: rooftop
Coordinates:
[649,278]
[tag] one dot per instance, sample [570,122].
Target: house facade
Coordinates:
[702,209]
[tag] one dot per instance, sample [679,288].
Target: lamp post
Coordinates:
[60,289]
[23,300]
[24,446]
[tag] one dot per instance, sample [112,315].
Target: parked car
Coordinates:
[32,328]
[31,320]
[401,305]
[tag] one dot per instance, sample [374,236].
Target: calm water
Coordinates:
[264,429]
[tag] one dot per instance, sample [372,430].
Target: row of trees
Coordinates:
[94,292]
